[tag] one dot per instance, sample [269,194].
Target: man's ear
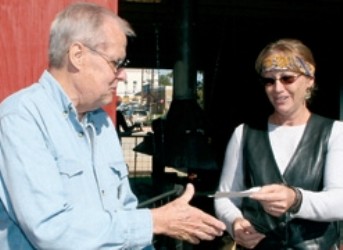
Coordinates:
[76,54]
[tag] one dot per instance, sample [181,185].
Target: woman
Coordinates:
[294,155]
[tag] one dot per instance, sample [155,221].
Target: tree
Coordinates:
[165,80]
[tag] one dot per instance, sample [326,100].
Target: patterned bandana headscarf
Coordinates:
[281,62]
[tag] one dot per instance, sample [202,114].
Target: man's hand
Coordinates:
[245,234]
[182,221]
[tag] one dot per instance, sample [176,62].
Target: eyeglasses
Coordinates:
[115,65]
[285,79]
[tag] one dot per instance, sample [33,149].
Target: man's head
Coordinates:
[80,22]
[87,48]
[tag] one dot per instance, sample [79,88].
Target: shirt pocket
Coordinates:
[115,186]
[69,168]
[71,174]
[119,169]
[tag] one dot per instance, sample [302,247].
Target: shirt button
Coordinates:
[81,134]
[103,192]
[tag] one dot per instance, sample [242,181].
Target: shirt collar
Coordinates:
[67,108]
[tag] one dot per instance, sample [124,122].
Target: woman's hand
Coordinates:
[276,199]
[245,234]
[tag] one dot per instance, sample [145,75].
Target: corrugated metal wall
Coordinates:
[24,35]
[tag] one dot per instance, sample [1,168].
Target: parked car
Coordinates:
[140,117]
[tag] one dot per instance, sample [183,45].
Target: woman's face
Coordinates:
[287,90]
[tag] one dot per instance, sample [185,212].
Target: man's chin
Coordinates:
[108,99]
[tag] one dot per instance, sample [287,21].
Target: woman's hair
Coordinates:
[286,54]
[80,22]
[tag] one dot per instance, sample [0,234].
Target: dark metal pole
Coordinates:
[184,71]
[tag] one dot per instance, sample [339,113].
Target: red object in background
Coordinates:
[24,40]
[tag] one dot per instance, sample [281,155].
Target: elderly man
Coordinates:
[64,183]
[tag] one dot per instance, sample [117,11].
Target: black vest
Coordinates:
[305,170]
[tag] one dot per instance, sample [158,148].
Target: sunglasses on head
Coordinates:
[285,79]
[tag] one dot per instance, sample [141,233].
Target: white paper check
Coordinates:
[244,193]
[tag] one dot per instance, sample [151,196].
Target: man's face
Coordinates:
[101,74]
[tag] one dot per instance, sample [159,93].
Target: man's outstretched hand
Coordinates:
[180,220]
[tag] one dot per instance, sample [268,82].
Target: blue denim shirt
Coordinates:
[64,184]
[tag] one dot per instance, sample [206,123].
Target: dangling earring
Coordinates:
[308,93]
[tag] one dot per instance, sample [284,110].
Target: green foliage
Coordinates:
[165,80]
